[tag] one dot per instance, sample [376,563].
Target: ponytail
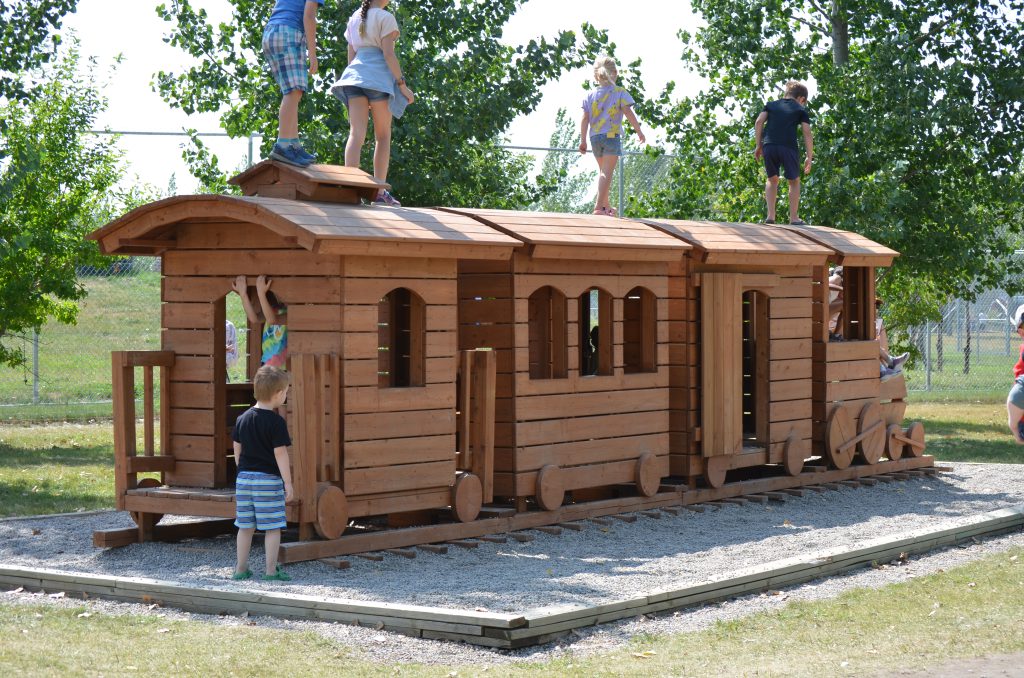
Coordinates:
[364,11]
[605,71]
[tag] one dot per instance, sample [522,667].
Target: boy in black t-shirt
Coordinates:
[264,483]
[775,135]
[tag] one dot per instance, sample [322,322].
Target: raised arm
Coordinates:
[759,133]
[242,290]
[388,46]
[584,126]
[269,312]
[309,24]
[808,146]
[628,112]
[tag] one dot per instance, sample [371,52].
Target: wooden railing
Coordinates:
[127,462]
[477,385]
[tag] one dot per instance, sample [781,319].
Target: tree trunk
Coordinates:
[840,34]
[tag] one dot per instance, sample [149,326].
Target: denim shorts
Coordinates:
[605,145]
[371,94]
[1016,396]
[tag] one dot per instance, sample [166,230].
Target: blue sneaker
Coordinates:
[311,157]
[290,155]
[1020,429]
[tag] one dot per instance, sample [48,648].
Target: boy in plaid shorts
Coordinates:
[289,35]
[264,483]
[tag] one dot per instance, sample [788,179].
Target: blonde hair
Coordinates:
[605,71]
[269,380]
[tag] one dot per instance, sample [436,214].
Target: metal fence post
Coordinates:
[928,355]
[250,149]
[622,186]
[35,367]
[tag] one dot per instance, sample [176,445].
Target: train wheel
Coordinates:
[137,515]
[331,511]
[648,478]
[838,430]
[915,433]
[793,456]
[714,470]
[467,497]
[872,445]
[550,488]
[893,445]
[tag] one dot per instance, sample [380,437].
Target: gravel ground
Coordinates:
[595,566]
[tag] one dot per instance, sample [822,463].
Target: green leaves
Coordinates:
[469,87]
[918,133]
[55,187]
[28,39]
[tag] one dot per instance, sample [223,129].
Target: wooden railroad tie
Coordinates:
[336,563]
[832,486]
[870,482]
[433,548]
[758,498]
[464,543]
[739,501]
[885,479]
[777,496]
[548,529]
[521,537]
[795,491]
[402,553]
[375,557]
[670,510]
[625,517]
[575,527]
[915,473]
[600,521]
[651,514]
[850,483]
[900,475]
[816,488]
[494,538]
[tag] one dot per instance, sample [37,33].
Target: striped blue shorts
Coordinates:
[259,501]
[285,49]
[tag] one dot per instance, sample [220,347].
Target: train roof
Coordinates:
[737,243]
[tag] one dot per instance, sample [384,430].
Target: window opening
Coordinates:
[401,340]
[595,340]
[548,335]
[639,331]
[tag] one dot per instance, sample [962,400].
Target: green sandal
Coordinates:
[242,575]
[279,575]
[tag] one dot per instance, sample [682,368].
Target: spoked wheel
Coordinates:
[838,430]
[871,428]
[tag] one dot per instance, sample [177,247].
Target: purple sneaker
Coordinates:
[385,198]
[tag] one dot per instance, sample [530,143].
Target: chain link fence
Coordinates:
[68,372]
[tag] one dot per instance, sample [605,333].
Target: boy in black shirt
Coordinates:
[264,483]
[777,125]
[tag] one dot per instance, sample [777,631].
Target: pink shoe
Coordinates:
[385,198]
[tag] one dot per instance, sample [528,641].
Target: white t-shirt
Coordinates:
[379,23]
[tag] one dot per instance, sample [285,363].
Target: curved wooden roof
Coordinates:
[319,227]
[729,243]
[580,236]
[850,249]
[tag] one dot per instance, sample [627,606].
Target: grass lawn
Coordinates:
[969,611]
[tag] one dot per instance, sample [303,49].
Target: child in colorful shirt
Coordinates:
[603,110]
[273,316]
[1015,401]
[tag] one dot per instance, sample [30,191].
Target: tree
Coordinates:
[469,86]
[55,187]
[28,39]
[564,188]
[918,125]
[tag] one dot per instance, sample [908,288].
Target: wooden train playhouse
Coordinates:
[460,370]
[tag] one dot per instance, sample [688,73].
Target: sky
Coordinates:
[650,34]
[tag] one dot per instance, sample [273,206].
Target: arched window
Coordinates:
[402,339]
[639,331]
[595,340]
[548,335]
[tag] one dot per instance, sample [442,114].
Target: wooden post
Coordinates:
[484,390]
[465,369]
[123,395]
[147,409]
[220,401]
[307,409]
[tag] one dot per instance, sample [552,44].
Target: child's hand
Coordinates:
[758,152]
[583,147]
[239,285]
[407,93]
[312,64]
[289,495]
[807,165]
[641,137]
[263,284]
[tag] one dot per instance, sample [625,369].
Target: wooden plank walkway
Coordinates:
[506,630]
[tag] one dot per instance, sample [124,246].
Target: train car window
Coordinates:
[548,334]
[639,331]
[401,340]
[595,327]
[856,318]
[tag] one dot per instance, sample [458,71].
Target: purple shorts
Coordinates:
[784,156]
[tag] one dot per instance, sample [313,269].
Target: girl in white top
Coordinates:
[372,83]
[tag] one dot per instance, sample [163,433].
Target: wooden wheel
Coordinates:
[872,426]
[793,455]
[915,433]
[893,445]
[331,511]
[648,478]
[467,497]
[838,430]
[550,488]
[714,470]
[137,515]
